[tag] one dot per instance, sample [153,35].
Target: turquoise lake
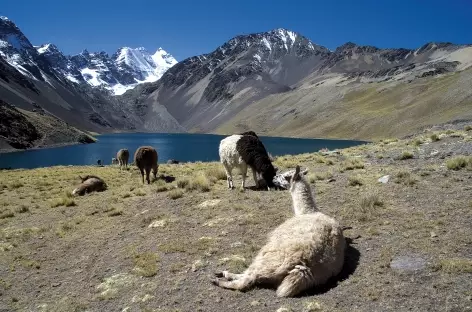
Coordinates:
[182,147]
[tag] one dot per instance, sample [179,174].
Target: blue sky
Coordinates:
[186,28]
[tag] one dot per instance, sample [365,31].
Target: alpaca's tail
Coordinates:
[297,280]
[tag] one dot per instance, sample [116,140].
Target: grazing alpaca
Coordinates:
[250,133]
[304,251]
[243,151]
[146,159]
[123,157]
[90,183]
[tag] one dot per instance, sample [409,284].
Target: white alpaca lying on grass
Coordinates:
[304,251]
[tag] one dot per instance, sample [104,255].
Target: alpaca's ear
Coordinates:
[305,171]
[81,179]
[276,168]
[296,175]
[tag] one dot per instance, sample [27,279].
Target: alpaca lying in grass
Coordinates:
[304,251]
[90,183]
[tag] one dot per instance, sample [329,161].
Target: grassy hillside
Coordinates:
[358,111]
[155,247]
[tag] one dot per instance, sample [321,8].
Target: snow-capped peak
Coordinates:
[44,48]
[4,18]
[151,67]
[163,59]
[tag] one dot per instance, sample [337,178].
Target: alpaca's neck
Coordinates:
[303,199]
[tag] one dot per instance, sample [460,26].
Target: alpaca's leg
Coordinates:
[142,173]
[243,283]
[229,175]
[154,171]
[254,175]
[119,163]
[229,276]
[297,280]
[243,168]
[148,172]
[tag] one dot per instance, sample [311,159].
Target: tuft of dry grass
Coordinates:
[22,209]
[145,264]
[320,176]
[63,201]
[406,155]
[457,265]
[459,162]
[417,142]
[405,178]
[216,172]
[7,214]
[175,193]
[200,183]
[15,185]
[161,188]
[140,192]
[355,181]
[183,183]
[126,195]
[368,204]
[351,164]
[434,137]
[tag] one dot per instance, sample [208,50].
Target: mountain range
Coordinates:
[276,83]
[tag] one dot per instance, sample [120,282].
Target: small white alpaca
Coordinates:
[304,251]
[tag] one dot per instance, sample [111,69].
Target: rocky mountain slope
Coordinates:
[281,83]
[276,83]
[42,78]
[21,129]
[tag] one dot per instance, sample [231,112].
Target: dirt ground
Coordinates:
[155,247]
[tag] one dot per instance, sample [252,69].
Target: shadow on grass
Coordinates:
[165,178]
[262,189]
[351,261]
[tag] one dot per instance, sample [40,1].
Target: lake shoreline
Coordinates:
[55,145]
[63,144]
[181,147]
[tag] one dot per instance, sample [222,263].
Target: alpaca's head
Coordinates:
[297,180]
[300,190]
[268,174]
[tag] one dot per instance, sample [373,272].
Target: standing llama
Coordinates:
[123,157]
[304,251]
[146,159]
[243,151]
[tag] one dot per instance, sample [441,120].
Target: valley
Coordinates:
[278,83]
